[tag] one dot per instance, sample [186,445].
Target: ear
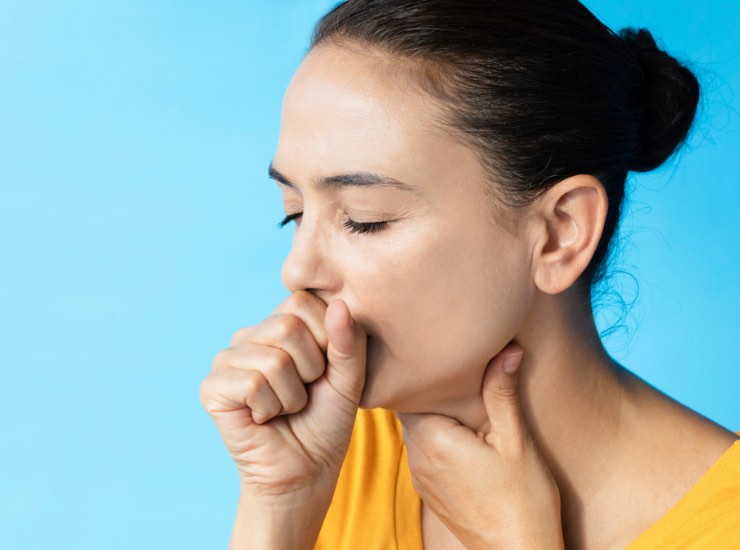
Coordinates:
[569,222]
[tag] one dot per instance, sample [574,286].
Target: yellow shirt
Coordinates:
[375,506]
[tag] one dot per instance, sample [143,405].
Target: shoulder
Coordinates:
[708,516]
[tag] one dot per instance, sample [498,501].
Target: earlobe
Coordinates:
[572,215]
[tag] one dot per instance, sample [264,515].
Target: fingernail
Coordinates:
[511,362]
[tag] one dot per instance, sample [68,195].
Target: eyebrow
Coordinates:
[358,179]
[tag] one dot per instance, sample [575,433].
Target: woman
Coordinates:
[455,171]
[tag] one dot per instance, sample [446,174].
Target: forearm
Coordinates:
[291,525]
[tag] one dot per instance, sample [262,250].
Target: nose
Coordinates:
[305,267]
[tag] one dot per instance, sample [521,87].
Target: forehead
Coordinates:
[345,111]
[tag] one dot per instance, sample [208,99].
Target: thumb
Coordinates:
[501,398]
[346,352]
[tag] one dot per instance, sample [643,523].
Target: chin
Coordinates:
[386,386]
[384,389]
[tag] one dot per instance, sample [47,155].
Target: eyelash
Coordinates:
[351,225]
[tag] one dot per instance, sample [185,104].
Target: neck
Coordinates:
[573,397]
[601,429]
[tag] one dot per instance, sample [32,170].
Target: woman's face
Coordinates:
[440,287]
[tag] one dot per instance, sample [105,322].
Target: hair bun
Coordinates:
[668,94]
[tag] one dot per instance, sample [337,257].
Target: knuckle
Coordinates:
[204,391]
[253,382]
[340,355]
[302,299]
[507,391]
[297,403]
[208,391]
[221,359]
[286,325]
[315,371]
[240,335]
[439,444]
[273,410]
[277,362]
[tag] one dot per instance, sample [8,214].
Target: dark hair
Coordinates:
[541,89]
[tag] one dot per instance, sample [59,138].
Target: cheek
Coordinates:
[437,314]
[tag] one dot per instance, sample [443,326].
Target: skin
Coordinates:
[423,287]
[447,285]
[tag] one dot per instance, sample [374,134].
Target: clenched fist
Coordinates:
[285,394]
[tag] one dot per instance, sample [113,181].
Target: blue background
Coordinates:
[137,233]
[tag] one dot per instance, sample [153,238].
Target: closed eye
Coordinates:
[351,225]
[287,219]
[370,227]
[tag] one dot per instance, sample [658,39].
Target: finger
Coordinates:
[433,430]
[311,309]
[291,334]
[230,389]
[437,445]
[301,303]
[346,351]
[277,366]
[501,399]
[419,423]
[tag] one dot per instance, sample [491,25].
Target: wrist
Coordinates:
[276,522]
[286,498]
